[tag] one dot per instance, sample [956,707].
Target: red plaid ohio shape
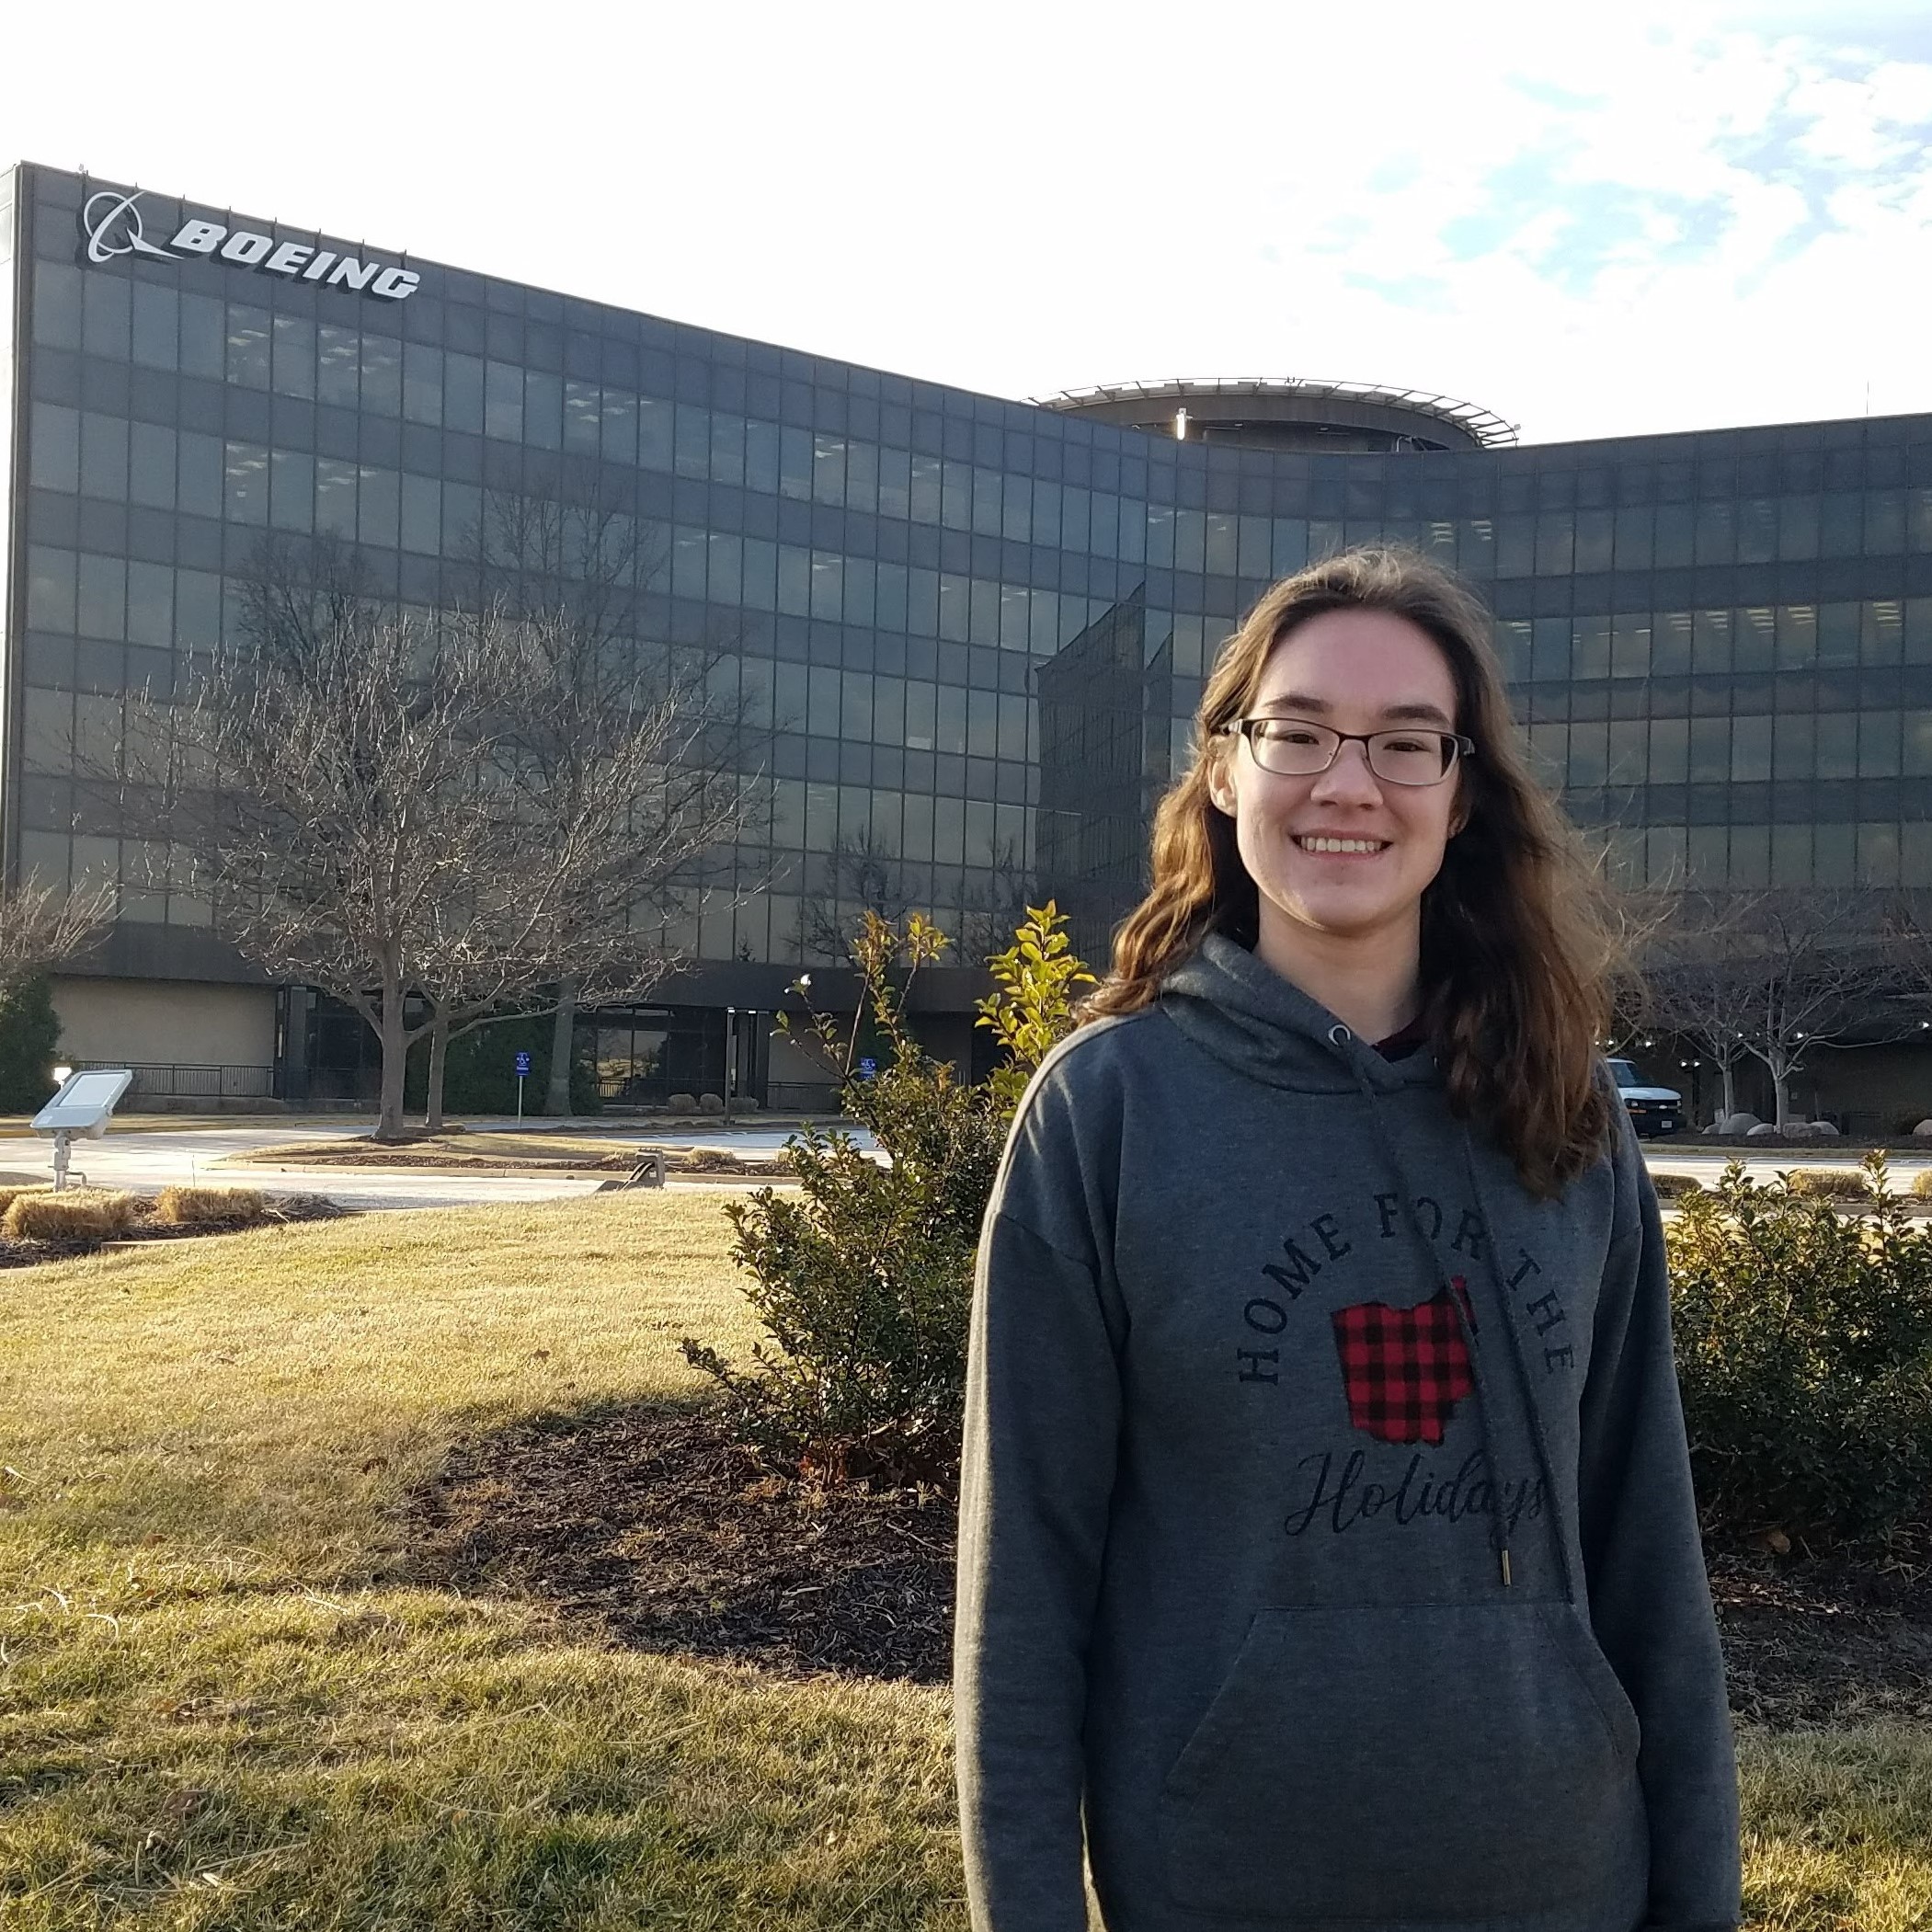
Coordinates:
[1405,1369]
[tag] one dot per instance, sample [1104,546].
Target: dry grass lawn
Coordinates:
[224,1705]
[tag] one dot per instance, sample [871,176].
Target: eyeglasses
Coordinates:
[1293,747]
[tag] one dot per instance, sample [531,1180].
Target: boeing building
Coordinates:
[968,631]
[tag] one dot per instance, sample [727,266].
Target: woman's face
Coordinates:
[1343,853]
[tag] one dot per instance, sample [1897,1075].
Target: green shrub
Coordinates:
[1805,1354]
[76,1213]
[29,1037]
[1921,1183]
[864,1279]
[209,1206]
[480,1072]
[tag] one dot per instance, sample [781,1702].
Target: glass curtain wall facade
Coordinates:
[973,629]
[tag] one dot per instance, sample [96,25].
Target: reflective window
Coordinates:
[1878,855]
[156,326]
[1837,744]
[248,360]
[422,383]
[104,457]
[1841,526]
[1750,749]
[1878,733]
[1669,751]
[1757,530]
[291,489]
[1795,753]
[383,376]
[1710,750]
[1798,527]
[248,480]
[293,356]
[1881,631]
[55,460]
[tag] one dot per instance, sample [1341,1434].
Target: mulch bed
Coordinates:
[359,1154]
[667,1536]
[1823,1639]
[655,1531]
[280,1211]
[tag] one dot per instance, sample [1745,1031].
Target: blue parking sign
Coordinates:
[522,1065]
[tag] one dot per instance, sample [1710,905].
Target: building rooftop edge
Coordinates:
[1487,429]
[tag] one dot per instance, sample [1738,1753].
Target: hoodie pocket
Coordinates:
[1418,1761]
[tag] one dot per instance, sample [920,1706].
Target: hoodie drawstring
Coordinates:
[1537,1436]
[1340,1037]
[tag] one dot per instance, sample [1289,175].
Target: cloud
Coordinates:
[1593,220]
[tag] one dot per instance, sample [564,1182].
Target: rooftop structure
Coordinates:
[1290,413]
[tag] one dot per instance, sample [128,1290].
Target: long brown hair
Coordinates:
[1519,957]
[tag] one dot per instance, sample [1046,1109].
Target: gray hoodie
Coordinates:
[1328,1557]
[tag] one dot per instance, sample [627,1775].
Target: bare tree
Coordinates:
[44,925]
[995,910]
[861,874]
[1689,963]
[1776,976]
[334,775]
[624,758]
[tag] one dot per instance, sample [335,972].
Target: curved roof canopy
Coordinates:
[1288,412]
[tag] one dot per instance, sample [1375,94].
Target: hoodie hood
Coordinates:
[1243,1012]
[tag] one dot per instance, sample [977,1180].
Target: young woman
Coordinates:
[1328,1556]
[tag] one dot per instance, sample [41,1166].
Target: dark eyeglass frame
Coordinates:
[1461,747]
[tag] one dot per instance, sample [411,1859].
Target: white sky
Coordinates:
[1593,220]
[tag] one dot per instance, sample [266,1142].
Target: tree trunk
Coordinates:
[439,1056]
[1781,1087]
[395,1052]
[1730,1072]
[563,1036]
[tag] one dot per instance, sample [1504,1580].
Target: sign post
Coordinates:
[522,1074]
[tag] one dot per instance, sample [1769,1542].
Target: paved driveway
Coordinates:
[151,1161]
[1789,1154]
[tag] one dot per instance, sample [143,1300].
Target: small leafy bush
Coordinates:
[1805,1354]
[1921,1183]
[76,1213]
[864,1279]
[209,1206]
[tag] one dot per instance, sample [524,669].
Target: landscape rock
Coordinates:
[1739,1123]
[1762,1128]
[1924,1128]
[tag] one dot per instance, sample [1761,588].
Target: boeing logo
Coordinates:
[111,226]
[116,228]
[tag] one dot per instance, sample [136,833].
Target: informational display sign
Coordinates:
[84,1103]
[868,1068]
[522,1065]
